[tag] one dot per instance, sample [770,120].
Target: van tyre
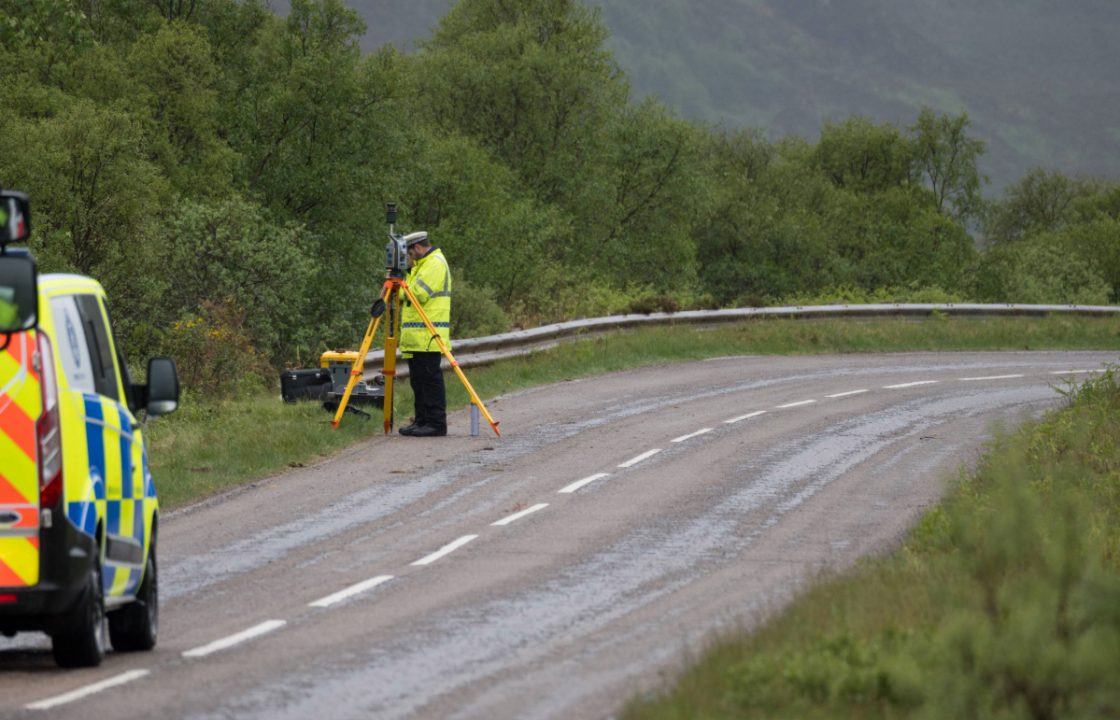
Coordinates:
[81,641]
[135,626]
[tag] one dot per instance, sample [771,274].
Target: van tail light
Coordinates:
[49,430]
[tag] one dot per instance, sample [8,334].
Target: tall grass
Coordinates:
[1004,602]
[214,444]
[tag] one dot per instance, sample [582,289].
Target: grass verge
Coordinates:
[212,445]
[1004,602]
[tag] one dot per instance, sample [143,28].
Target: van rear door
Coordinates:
[20,407]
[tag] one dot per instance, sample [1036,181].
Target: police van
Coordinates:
[79,515]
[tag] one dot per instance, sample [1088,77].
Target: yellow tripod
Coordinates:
[390,298]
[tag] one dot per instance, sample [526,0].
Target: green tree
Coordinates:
[945,159]
[1097,243]
[532,82]
[640,226]
[895,239]
[764,236]
[321,139]
[230,252]
[41,37]
[1040,271]
[858,155]
[176,76]
[1040,201]
[93,188]
[496,236]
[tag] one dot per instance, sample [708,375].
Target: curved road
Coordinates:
[559,569]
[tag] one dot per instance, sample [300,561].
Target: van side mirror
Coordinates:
[19,292]
[162,396]
[15,217]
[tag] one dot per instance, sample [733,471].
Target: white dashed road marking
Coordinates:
[846,394]
[445,550]
[682,438]
[350,591]
[237,638]
[518,515]
[991,377]
[1074,372]
[799,403]
[580,483]
[910,384]
[88,690]
[749,415]
[637,459]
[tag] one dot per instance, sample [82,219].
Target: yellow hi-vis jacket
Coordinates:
[430,281]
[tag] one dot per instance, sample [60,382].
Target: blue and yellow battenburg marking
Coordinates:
[120,489]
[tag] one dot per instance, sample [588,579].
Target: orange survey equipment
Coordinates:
[390,306]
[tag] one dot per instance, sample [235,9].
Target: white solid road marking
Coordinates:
[580,483]
[350,591]
[846,394]
[87,690]
[518,515]
[637,459]
[227,642]
[734,420]
[992,377]
[682,438]
[910,384]
[445,550]
[799,403]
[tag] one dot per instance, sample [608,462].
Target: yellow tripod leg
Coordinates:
[358,367]
[389,370]
[451,359]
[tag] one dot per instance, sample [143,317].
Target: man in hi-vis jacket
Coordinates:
[429,278]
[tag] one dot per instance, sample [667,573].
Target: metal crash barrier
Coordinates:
[491,348]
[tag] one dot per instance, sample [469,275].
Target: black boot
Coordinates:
[427,431]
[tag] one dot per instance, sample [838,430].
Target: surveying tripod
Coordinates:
[388,306]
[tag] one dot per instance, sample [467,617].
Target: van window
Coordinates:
[122,367]
[97,338]
[71,344]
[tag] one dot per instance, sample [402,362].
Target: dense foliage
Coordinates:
[223,170]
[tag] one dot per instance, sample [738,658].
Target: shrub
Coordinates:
[654,302]
[852,295]
[1039,272]
[214,353]
[475,313]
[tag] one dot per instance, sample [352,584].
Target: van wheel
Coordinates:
[81,642]
[135,626]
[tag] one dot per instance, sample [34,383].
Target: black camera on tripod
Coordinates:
[396,252]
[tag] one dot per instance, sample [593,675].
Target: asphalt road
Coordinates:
[557,570]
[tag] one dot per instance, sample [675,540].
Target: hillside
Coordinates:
[1041,80]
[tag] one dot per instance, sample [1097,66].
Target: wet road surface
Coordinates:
[555,571]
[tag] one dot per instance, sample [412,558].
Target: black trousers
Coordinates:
[426,378]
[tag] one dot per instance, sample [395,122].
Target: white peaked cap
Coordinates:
[416,237]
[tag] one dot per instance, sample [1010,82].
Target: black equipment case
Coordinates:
[310,384]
